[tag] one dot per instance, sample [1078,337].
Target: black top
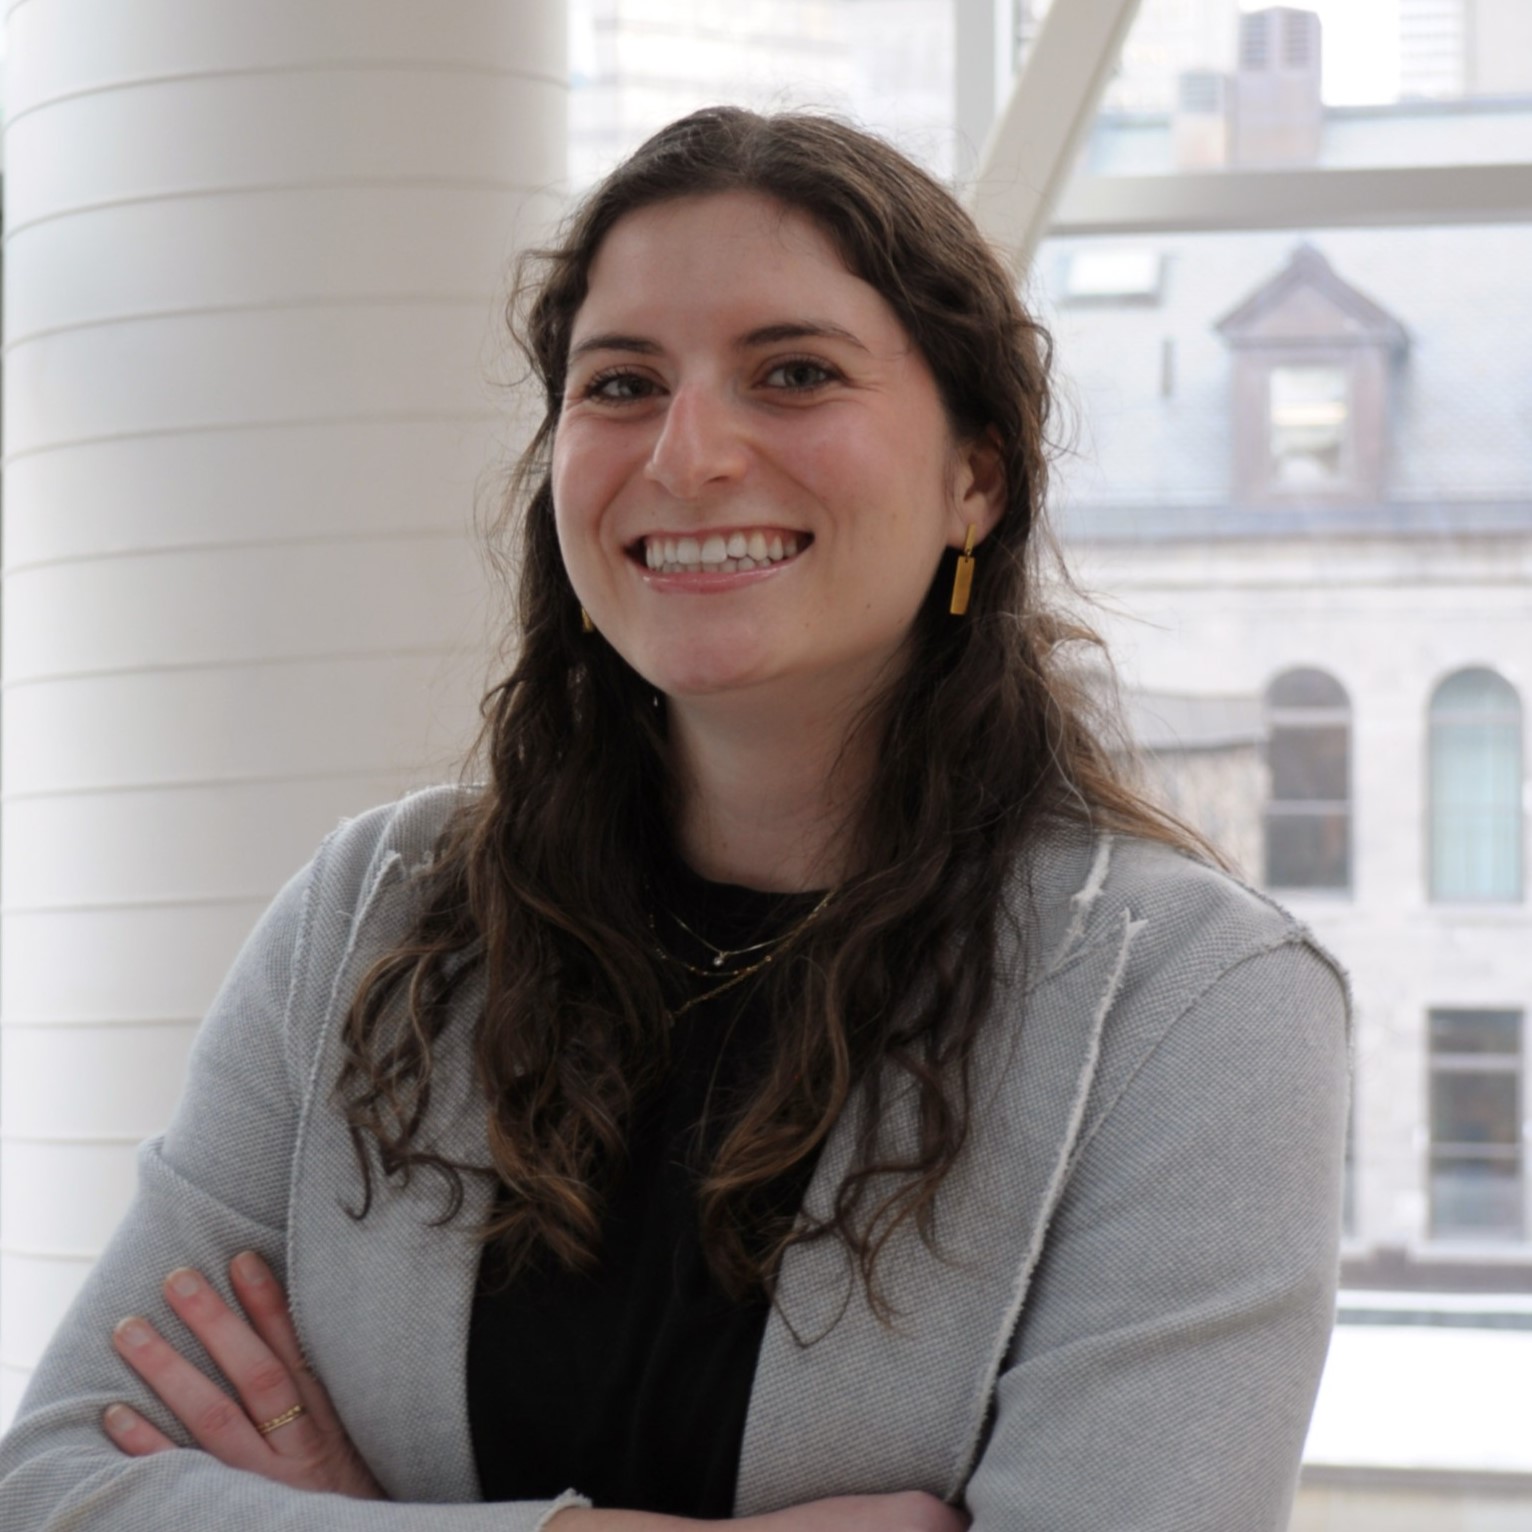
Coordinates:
[631,1384]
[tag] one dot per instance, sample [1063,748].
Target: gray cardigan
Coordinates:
[1124,1327]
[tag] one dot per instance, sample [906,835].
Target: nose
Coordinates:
[700,443]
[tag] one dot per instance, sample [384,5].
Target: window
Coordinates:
[1475,789]
[1310,411]
[1308,752]
[1475,1120]
[1202,91]
[1300,42]
[1124,274]
[1315,367]
[1254,44]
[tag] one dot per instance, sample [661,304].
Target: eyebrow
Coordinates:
[613,342]
[764,335]
[798,329]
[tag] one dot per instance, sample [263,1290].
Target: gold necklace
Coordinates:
[777,944]
[721,955]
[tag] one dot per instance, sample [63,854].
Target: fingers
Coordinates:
[216,1422]
[132,1433]
[264,1383]
[265,1304]
[268,1388]
[282,1425]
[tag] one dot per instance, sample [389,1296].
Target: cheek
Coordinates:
[889,476]
[564,474]
[558,470]
[580,489]
[592,464]
[902,468]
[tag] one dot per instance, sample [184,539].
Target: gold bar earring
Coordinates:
[962,581]
[586,625]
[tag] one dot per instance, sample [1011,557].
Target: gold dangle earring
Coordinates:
[586,625]
[962,581]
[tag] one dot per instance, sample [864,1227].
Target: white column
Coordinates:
[253,267]
[984,64]
[1030,154]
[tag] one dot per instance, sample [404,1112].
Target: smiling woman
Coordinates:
[803,1083]
[732,383]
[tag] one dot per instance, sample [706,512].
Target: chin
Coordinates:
[705,668]
[696,682]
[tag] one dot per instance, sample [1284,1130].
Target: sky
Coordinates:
[1361,48]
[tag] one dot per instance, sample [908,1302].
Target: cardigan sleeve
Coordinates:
[1167,1359]
[215,1184]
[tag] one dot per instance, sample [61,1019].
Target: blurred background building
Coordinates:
[638,64]
[1304,463]
[1463,47]
[1300,469]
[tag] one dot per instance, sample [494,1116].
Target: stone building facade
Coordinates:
[1302,466]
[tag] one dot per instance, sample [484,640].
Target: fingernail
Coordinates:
[250,1268]
[132,1331]
[185,1282]
[119,1419]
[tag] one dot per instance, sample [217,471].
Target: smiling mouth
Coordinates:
[719,553]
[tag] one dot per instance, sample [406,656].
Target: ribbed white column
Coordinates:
[252,261]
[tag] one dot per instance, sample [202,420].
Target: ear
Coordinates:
[978,498]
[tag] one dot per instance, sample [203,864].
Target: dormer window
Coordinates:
[1314,364]
[1310,417]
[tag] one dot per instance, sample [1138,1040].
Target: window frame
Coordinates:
[1483,1064]
[1429,800]
[1315,716]
[1347,481]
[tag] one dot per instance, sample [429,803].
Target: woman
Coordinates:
[805,1083]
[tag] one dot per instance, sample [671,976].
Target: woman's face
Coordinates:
[753,474]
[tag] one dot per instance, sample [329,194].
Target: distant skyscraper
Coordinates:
[1499,48]
[1433,48]
[1167,39]
[1465,48]
[638,64]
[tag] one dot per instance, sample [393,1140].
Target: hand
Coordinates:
[259,1354]
[907,1511]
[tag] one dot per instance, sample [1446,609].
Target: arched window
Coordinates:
[1308,751]
[1475,788]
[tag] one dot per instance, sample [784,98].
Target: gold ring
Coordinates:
[286,1418]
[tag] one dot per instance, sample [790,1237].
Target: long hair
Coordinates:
[993,736]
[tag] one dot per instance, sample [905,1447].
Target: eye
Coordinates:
[618,385]
[800,374]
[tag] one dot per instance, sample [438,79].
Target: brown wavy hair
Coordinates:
[993,735]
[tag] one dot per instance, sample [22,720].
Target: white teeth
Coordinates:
[716,552]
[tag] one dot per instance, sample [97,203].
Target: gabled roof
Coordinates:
[1307,301]
[1148,403]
